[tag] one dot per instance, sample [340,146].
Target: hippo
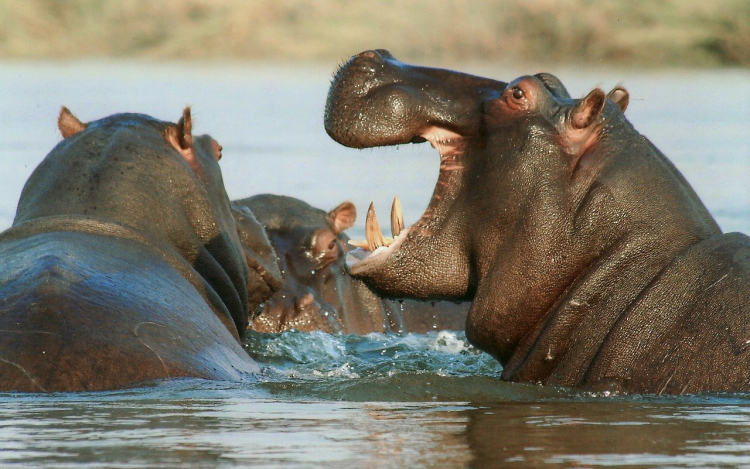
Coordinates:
[589,259]
[260,256]
[124,264]
[317,293]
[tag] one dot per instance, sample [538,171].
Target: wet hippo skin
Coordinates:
[318,293]
[123,264]
[590,260]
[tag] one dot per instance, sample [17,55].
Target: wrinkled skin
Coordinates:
[123,264]
[317,293]
[589,259]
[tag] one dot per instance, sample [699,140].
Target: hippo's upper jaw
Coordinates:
[375,100]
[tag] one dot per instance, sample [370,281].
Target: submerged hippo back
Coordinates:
[90,312]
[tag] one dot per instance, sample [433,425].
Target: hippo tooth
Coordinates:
[372,230]
[358,243]
[397,217]
[362,244]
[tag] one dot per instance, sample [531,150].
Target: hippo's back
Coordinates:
[90,312]
[690,330]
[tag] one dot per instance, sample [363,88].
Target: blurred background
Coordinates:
[653,33]
[257,74]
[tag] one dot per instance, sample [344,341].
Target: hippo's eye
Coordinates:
[334,251]
[517,93]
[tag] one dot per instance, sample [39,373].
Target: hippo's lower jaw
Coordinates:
[373,256]
[359,260]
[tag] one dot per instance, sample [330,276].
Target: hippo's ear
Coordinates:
[588,109]
[342,217]
[579,133]
[180,135]
[619,96]
[68,123]
[185,130]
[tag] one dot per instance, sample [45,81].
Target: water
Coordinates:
[426,400]
[378,401]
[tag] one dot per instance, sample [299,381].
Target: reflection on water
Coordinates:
[219,432]
[212,425]
[610,434]
[427,400]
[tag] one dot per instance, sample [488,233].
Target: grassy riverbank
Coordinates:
[653,33]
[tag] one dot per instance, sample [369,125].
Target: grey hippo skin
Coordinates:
[123,264]
[318,294]
[589,259]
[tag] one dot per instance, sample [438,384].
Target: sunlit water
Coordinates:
[321,400]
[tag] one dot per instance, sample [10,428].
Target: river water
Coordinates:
[428,400]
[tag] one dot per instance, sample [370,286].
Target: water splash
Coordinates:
[447,353]
[409,367]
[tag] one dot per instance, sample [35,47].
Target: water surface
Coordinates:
[428,400]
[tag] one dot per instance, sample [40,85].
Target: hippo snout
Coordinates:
[377,100]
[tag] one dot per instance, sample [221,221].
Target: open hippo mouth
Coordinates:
[375,100]
[376,247]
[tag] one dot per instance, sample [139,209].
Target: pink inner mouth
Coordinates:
[448,145]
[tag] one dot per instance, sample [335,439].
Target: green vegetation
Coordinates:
[643,33]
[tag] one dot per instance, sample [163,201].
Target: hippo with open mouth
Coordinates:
[124,263]
[590,260]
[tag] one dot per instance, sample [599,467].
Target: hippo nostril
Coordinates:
[378,55]
[384,54]
[370,54]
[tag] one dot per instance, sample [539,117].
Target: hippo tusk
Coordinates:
[397,218]
[373,235]
[374,238]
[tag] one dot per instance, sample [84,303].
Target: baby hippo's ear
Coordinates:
[342,217]
[619,96]
[586,111]
[68,123]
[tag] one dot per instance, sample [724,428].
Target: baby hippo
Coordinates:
[318,293]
